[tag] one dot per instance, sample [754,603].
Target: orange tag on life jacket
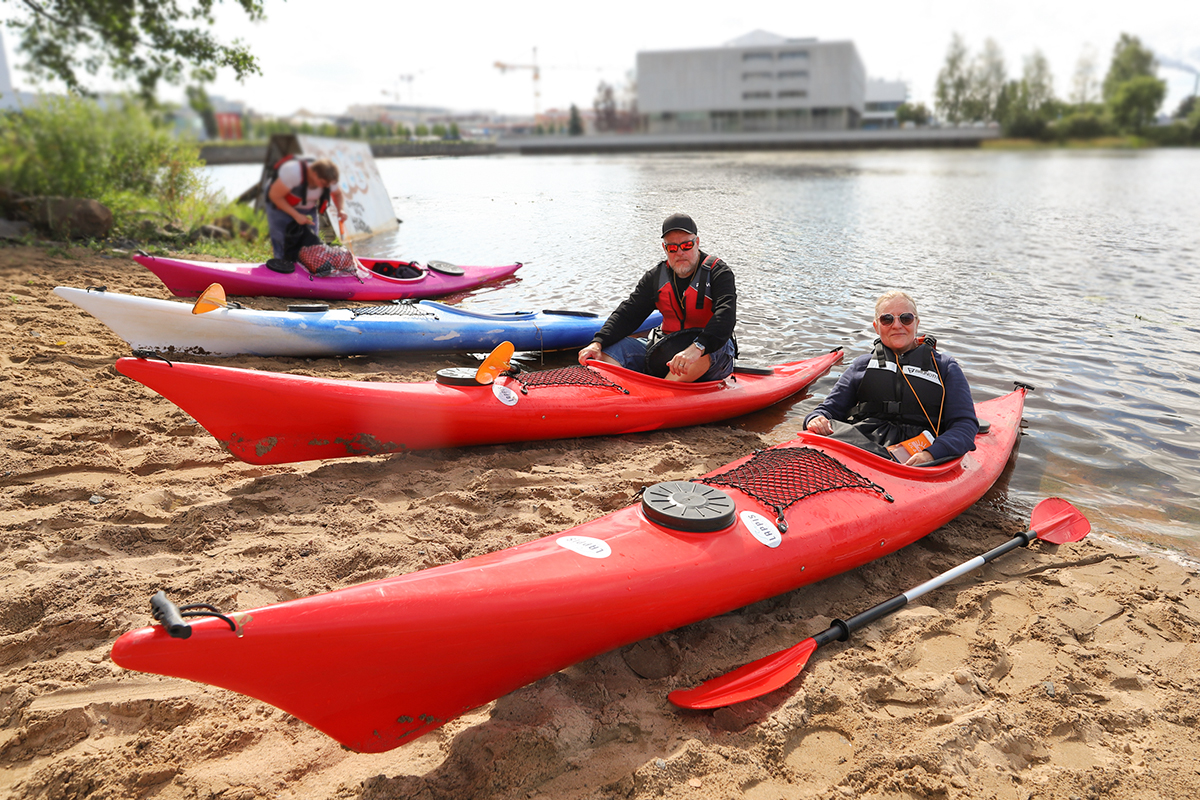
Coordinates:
[910,447]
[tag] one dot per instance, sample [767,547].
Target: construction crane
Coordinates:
[537,74]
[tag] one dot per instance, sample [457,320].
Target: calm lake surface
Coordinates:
[1075,271]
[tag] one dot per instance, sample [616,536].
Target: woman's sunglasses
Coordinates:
[675,248]
[906,319]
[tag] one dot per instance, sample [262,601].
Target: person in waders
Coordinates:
[906,399]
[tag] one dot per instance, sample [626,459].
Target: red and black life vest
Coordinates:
[298,195]
[906,389]
[696,308]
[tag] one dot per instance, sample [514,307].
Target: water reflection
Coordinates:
[1074,271]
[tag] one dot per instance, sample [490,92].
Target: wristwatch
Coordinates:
[696,344]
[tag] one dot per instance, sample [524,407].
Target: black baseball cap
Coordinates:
[679,222]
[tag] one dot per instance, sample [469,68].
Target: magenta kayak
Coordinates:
[435,278]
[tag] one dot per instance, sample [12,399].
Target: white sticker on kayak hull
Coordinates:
[505,395]
[762,528]
[586,546]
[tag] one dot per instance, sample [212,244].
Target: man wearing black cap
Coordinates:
[698,299]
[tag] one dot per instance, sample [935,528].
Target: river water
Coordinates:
[1075,271]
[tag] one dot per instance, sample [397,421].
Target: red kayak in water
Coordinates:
[276,418]
[379,664]
[431,279]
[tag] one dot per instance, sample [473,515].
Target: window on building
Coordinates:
[888,106]
[751,76]
[756,95]
[792,94]
[793,55]
[794,73]
[757,56]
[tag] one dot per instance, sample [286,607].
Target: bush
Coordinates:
[119,155]
[1081,125]
[1176,134]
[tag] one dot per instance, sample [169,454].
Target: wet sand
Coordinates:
[1056,672]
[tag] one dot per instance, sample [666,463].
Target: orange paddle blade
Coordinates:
[210,299]
[752,680]
[496,362]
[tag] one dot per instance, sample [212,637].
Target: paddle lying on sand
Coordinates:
[497,361]
[210,299]
[1054,520]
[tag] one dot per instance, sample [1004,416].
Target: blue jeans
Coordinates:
[277,223]
[630,353]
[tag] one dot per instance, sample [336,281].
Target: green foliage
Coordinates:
[146,41]
[953,82]
[1086,124]
[1130,60]
[1186,107]
[1177,134]
[917,114]
[1135,102]
[198,100]
[575,126]
[120,155]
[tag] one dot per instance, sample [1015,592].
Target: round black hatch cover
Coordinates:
[458,376]
[687,506]
[445,267]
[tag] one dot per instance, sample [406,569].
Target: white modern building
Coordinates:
[881,101]
[757,82]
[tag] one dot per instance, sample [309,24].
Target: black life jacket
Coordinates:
[907,389]
[697,307]
[298,195]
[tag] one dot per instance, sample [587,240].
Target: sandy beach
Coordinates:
[1057,672]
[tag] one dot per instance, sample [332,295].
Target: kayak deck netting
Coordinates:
[779,478]
[405,308]
[566,376]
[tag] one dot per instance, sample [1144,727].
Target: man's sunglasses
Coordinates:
[906,319]
[675,248]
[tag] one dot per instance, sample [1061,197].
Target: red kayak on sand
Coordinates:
[432,279]
[379,664]
[274,418]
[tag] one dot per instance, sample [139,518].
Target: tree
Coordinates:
[953,82]
[146,41]
[1084,87]
[1039,82]
[1130,60]
[198,100]
[917,114]
[987,78]
[1185,107]
[575,127]
[605,106]
[1135,101]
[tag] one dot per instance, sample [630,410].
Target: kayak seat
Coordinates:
[400,270]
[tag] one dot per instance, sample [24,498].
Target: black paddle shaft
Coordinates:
[841,629]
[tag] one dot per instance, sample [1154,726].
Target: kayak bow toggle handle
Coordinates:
[171,616]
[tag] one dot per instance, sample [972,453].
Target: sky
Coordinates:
[325,57]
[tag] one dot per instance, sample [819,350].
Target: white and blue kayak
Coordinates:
[314,329]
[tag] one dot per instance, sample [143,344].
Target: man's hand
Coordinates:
[683,361]
[591,352]
[821,425]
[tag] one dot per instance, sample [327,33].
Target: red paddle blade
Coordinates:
[1058,522]
[745,683]
[496,362]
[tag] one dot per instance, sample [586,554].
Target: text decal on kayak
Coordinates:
[505,395]
[585,546]
[762,529]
